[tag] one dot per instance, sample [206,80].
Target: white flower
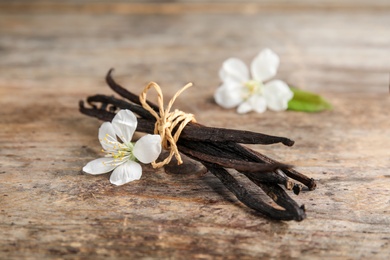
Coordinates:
[238,89]
[121,153]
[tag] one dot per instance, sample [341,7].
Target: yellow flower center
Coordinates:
[119,151]
[253,87]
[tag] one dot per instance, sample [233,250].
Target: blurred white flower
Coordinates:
[122,154]
[238,89]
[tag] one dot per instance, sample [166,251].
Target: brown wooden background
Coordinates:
[54,53]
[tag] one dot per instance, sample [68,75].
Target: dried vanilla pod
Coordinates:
[218,149]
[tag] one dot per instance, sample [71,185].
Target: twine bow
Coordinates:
[166,122]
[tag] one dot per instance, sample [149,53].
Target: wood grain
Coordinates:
[50,59]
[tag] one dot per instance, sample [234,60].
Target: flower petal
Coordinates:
[255,102]
[147,148]
[107,136]
[244,107]
[228,95]
[99,166]
[258,103]
[235,70]
[126,172]
[278,94]
[265,65]
[125,123]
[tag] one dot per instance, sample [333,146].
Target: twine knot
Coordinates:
[167,121]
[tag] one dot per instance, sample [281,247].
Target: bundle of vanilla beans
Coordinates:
[219,149]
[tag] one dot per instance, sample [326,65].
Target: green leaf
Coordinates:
[307,101]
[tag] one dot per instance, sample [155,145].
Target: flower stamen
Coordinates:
[252,87]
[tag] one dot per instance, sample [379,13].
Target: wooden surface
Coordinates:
[53,55]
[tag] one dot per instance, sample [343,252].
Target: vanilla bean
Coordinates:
[254,156]
[199,132]
[249,200]
[239,165]
[95,112]
[143,125]
[266,174]
[120,104]
[124,92]
[217,149]
[214,152]
[269,177]
[278,195]
[309,182]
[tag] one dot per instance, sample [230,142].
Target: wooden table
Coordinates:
[55,54]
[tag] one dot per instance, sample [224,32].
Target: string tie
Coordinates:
[167,121]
